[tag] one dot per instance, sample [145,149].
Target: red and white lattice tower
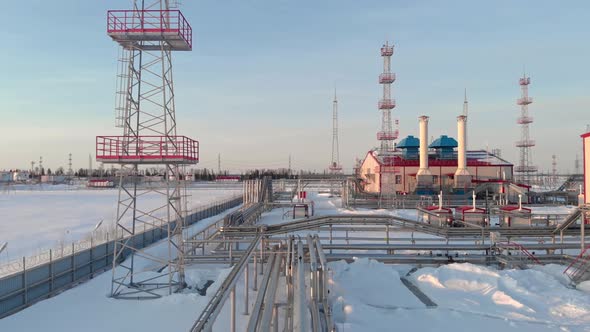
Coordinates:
[335,166]
[148,34]
[387,134]
[525,169]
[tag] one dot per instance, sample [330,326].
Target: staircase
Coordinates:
[579,269]
[519,259]
[572,218]
[572,182]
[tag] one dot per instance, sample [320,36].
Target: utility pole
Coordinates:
[70,172]
[89,165]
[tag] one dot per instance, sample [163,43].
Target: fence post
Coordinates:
[51,281]
[91,256]
[73,264]
[25,299]
[106,252]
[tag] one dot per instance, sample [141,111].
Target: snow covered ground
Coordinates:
[556,209]
[87,307]
[369,296]
[34,218]
[366,296]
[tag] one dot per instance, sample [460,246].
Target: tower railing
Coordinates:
[155,25]
[524,120]
[145,149]
[387,78]
[387,51]
[386,104]
[387,136]
[524,101]
[524,81]
[525,143]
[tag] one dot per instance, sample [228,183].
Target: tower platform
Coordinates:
[147,150]
[131,28]
[386,104]
[387,136]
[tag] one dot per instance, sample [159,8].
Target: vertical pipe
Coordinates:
[275,320]
[301,311]
[246,287]
[261,254]
[231,258]
[423,121]
[255,274]
[313,268]
[561,240]
[330,238]
[462,144]
[233,310]
[582,232]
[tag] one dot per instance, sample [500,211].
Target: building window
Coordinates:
[398,179]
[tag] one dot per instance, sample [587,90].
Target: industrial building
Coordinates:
[378,173]
[415,167]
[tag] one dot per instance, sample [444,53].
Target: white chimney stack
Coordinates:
[424,176]
[462,176]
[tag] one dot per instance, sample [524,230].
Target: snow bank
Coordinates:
[368,296]
[362,290]
[534,295]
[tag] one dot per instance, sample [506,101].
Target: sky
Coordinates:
[259,83]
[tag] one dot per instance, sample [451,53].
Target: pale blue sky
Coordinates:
[258,84]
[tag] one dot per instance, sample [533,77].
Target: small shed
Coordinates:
[515,215]
[472,215]
[436,215]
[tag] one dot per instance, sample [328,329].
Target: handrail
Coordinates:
[208,316]
[255,316]
[508,244]
[149,21]
[580,256]
[570,219]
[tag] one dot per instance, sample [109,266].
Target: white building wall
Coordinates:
[586,168]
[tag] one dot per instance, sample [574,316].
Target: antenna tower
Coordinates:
[335,166]
[554,170]
[387,135]
[148,35]
[525,169]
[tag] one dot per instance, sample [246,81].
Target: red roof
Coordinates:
[435,208]
[469,209]
[585,135]
[514,208]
